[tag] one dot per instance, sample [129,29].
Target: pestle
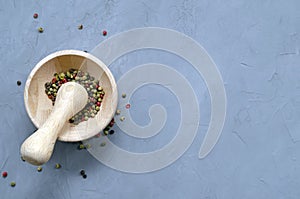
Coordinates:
[38,148]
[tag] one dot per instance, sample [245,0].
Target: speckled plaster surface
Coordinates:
[255,45]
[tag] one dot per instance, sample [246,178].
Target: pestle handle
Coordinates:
[38,148]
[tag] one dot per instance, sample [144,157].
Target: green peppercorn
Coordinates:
[118,112]
[13,184]
[57,166]
[61,76]
[40,29]
[39,169]
[122,118]
[124,95]
[106,132]
[97,108]
[81,146]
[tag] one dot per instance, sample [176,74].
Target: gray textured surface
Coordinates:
[255,45]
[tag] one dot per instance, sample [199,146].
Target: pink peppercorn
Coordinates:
[35,15]
[104,32]
[4,174]
[127,106]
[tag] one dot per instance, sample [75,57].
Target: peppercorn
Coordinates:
[19,83]
[40,29]
[111,132]
[35,15]
[39,169]
[82,172]
[80,27]
[13,184]
[57,166]
[104,32]
[84,176]
[122,118]
[81,146]
[124,95]
[4,174]
[127,106]
[118,112]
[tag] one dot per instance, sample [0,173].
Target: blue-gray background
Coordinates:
[255,45]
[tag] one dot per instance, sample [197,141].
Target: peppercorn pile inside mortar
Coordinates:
[94,90]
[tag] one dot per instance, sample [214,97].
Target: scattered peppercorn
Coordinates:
[41,30]
[122,118]
[118,112]
[105,132]
[127,106]
[81,146]
[80,27]
[82,172]
[19,83]
[124,95]
[57,166]
[104,32]
[4,174]
[12,184]
[39,169]
[35,15]
[111,132]
[84,176]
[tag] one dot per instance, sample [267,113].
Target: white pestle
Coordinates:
[38,148]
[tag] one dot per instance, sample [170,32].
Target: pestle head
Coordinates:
[71,97]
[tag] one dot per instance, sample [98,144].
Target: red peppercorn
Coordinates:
[35,15]
[98,103]
[104,32]
[53,80]
[64,80]
[101,96]
[127,106]
[4,174]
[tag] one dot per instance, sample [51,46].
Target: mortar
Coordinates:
[39,107]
